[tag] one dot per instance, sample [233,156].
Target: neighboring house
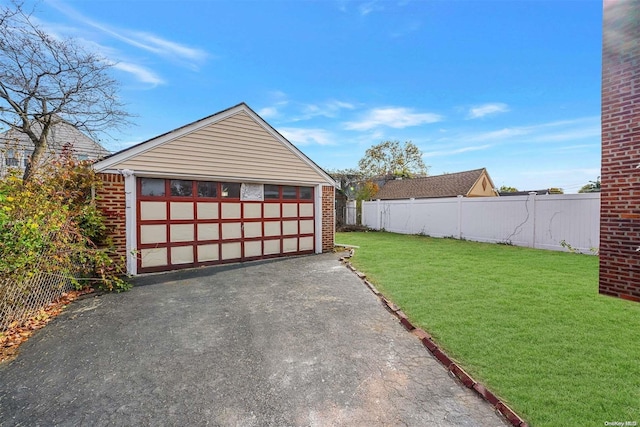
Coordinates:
[473,183]
[16,147]
[620,180]
[226,188]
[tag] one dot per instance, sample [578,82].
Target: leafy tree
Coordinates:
[348,179]
[591,187]
[507,189]
[45,79]
[556,190]
[391,158]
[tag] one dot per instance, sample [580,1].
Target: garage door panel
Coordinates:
[252,230]
[153,234]
[289,210]
[208,232]
[181,210]
[306,226]
[155,257]
[207,210]
[252,249]
[252,210]
[231,251]
[272,247]
[272,228]
[306,243]
[182,255]
[231,230]
[150,211]
[306,209]
[290,244]
[272,210]
[208,253]
[181,232]
[231,210]
[289,227]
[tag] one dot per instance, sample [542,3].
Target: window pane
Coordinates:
[289,193]
[271,192]
[207,189]
[152,187]
[181,188]
[306,193]
[231,190]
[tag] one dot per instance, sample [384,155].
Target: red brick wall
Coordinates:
[620,193]
[328,220]
[110,199]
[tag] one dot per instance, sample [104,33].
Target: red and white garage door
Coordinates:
[186,223]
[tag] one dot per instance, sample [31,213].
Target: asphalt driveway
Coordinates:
[288,342]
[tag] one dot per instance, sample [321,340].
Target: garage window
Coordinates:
[271,191]
[306,193]
[230,190]
[289,193]
[207,189]
[152,187]
[181,188]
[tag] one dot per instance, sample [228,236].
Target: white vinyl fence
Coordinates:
[559,222]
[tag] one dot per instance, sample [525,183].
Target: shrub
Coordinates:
[49,224]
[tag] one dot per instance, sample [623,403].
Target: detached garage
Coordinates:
[227,188]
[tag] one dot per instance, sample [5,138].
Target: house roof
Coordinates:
[129,154]
[60,134]
[543,192]
[447,185]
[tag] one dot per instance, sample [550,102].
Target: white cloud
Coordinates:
[394,117]
[268,112]
[329,109]
[142,40]
[142,74]
[487,109]
[368,7]
[301,136]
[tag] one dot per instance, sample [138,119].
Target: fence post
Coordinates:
[378,215]
[533,195]
[411,219]
[460,197]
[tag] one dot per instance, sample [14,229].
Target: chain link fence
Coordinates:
[20,301]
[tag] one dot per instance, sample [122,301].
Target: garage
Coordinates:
[227,188]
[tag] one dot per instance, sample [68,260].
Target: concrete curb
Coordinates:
[454,369]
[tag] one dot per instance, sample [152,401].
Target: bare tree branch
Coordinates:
[45,80]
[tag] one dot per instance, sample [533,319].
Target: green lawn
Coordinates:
[527,323]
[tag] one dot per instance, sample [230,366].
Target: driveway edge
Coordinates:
[454,369]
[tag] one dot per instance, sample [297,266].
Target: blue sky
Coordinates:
[511,85]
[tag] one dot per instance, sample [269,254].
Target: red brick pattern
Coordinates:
[620,192]
[328,220]
[110,199]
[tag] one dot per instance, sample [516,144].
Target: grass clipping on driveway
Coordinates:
[528,323]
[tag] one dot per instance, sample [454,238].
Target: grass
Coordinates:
[527,323]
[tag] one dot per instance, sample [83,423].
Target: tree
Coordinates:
[390,158]
[507,189]
[348,180]
[591,187]
[45,80]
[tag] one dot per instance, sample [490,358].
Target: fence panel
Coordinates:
[535,221]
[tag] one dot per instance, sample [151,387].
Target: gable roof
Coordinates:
[60,134]
[234,143]
[447,185]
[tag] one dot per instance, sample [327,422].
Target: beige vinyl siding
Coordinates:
[236,147]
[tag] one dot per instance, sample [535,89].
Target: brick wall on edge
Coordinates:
[620,192]
[110,199]
[328,221]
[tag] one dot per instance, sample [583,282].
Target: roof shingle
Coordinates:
[447,185]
